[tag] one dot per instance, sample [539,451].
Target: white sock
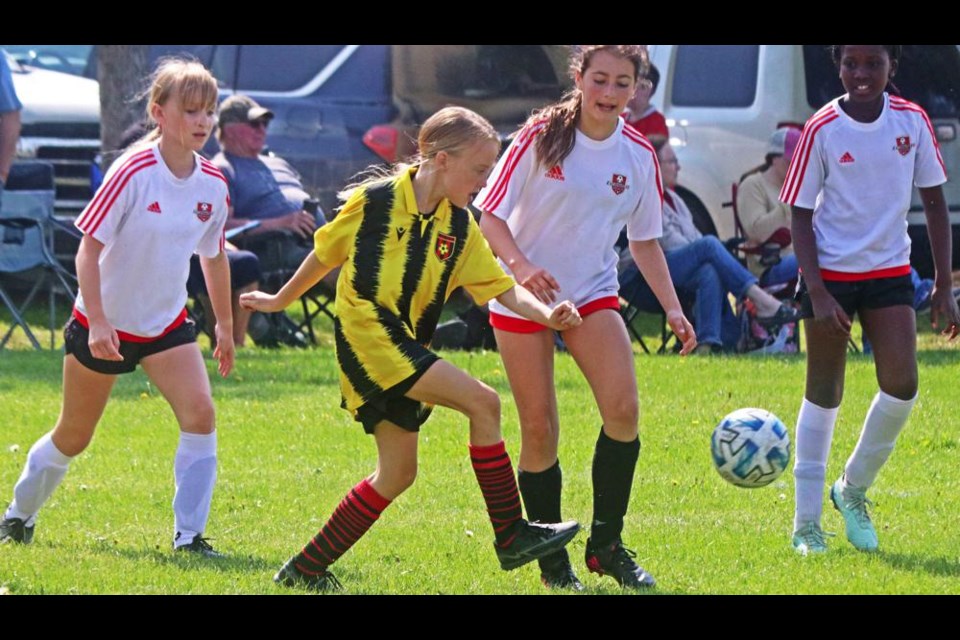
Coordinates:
[885,420]
[42,473]
[814,434]
[195,473]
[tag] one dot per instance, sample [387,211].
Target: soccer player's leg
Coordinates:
[601,348]
[85,395]
[517,541]
[180,375]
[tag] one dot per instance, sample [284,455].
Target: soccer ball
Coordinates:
[751,448]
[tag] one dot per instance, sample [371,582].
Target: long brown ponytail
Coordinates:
[555,141]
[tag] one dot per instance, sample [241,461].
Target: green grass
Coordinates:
[288,454]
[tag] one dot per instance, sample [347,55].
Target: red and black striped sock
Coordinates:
[499,487]
[353,516]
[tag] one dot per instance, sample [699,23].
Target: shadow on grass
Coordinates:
[229,563]
[934,565]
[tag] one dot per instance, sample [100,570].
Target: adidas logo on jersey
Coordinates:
[555,174]
[846,158]
[154,208]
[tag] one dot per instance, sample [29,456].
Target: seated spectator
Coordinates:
[703,265]
[264,188]
[643,116]
[10,107]
[762,215]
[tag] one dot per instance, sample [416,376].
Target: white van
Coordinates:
[722,102]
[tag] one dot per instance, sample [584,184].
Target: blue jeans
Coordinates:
[781,273]
[706,269]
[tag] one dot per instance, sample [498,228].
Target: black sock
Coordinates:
[541,499]
[613,466]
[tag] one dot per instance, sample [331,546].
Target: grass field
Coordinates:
[288,454]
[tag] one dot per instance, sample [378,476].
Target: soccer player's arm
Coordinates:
[331,242]
[929,176]
[216,274]
[644,226]
[481,275]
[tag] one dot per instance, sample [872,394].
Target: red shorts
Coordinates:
[521,325]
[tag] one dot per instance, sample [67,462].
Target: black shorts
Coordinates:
[76,341]
[875,293]
[393,406]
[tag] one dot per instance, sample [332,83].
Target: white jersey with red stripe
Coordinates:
[858,178]
[567,218]
[150,223]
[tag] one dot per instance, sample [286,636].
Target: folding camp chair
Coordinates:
[26,225]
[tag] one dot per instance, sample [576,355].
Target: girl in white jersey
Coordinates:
[573,177]
[160,203]
[850,185]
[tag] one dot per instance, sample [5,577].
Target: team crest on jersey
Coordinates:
[444,247]
[203,211]
[618,183]
[903,145]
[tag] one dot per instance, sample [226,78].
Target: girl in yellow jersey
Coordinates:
[405,242]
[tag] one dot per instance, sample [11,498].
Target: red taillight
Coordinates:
[382,140]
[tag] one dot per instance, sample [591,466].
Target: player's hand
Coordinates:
[103,342]
[225,351]
[565,316]
[944,311]
[682,328]
[537,281]
[299,222]
[828,313]
[260,301]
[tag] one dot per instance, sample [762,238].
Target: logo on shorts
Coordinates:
[444,247]
[203,211]
[618,183]
[903,145]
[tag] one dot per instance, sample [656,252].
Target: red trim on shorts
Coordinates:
[129,337]
[843,276]
[522,325]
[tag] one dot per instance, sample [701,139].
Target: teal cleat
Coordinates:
[810,538]
[852,505]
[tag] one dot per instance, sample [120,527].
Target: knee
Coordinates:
[484,404]
[540,432]
[622,413]
[69,441]
[904,388]
[396,477]
[200,418]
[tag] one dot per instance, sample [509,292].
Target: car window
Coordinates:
[715,75]
[258,66]
[928,75]
[65,58]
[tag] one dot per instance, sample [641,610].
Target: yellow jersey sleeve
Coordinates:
[333,241]
[479,272]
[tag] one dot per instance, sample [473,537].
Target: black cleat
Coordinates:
[616,561]
[15,530]
[532,540]
[560,577]
[290,576]
[200,546]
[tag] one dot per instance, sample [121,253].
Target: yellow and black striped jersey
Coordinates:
[399,267]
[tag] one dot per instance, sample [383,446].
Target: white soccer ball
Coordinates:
[750,447]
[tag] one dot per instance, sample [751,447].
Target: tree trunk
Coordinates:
[122,72]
